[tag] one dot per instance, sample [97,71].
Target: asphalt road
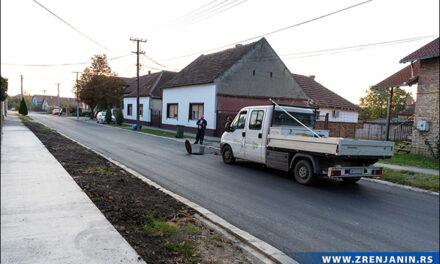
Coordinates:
[268,204]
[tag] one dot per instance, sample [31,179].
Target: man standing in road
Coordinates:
[201,126]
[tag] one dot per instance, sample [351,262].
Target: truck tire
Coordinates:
[303,172]
[228,155]
[350,180]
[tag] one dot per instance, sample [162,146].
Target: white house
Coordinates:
[341,114]
[218,85]
[150,96]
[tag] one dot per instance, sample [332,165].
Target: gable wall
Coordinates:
[239,80]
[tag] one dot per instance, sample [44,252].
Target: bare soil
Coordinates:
[158,227]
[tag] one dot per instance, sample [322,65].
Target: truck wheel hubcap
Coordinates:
[303,172]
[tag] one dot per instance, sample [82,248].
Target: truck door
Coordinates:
[238,134]
[255,148]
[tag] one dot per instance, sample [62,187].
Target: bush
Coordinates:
[85,113]
[108,115]
[119,117]
[23,108]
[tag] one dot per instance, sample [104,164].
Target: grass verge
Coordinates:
[414,179]
[24,118]
[413,160]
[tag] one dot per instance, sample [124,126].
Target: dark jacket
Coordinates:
[201,124]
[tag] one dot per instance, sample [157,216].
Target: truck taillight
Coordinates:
[336,173]
[378,172]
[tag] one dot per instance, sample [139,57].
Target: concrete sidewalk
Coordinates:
[45,216]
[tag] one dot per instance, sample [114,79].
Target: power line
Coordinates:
[61,64]
[77,30]
[157,63]
[195,10]
[213,12]
[274,31]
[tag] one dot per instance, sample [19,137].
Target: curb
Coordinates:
[272,254]
[406,187]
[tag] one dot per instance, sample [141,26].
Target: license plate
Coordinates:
[356,171]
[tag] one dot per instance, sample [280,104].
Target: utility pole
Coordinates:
[59,106]
[77,97]
[21,81]
[138,127]
[390,105]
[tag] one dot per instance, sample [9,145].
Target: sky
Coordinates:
[31,35]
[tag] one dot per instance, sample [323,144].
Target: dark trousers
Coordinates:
[200,135]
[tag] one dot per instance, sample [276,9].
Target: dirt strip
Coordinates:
[158,227]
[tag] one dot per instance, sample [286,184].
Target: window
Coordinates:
[172,110]
[256,120]
[195,111]
[141,109]
[129,109]
[335,113]
[240,120]
[280,118]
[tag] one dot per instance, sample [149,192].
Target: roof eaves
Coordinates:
[419,58]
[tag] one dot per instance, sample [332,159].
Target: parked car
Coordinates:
[57,111]
[100,117]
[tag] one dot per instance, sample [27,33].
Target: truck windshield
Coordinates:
[280,118]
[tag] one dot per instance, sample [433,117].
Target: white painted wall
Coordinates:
[344,115]
[185,95]
[146,115]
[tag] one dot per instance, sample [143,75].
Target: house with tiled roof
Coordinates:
[37,100]
[336,114]
[52,100]
[218,85]
[423,70]
[150,97]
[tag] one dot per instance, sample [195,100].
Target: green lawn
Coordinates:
[419,180]
[412,160]
[157,132]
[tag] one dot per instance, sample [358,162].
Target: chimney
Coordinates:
[312,77]
[149,72]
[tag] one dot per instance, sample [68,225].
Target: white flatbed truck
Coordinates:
[284,138]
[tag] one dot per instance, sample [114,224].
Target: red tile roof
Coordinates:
[53,100]
[322,96]
[430,50]
[401,78]
[206,68]
[150,84]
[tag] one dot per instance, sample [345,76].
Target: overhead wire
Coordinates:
[272,32]
[71,26]
[214,12]
[60,64]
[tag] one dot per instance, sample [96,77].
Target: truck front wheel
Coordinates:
[303,172]
[228,155]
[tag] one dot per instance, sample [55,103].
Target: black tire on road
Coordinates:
[228,155]
[350,180]
[303,172]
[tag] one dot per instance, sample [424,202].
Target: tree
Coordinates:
[374,105]
[4,88]
[119,117]
[23,108]
[99,86]
[108,115]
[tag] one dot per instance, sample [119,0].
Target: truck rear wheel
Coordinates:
[228,155]
[303,172]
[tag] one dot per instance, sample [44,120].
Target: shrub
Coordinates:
[119,117]
[108,115]
[23,108]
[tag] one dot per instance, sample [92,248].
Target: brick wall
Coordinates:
[427,106]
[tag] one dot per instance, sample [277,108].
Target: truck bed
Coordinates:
[332,145]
